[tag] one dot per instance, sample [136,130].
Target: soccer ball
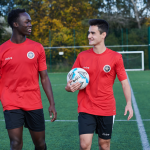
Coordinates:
[79,75]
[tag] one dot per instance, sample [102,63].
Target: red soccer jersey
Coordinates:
[19,70]
[98,98]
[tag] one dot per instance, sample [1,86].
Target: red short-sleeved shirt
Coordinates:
[19,70]
[98,98]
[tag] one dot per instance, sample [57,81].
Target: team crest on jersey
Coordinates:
[30,55]
[107,68]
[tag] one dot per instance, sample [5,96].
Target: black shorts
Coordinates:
[102,125]
[33,120]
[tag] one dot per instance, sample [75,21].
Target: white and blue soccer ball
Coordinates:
[78,75]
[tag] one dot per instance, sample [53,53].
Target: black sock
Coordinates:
[45,147]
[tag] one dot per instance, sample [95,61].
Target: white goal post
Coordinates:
[133,60]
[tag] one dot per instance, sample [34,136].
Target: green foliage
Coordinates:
[60,16]
[65,23]
[4,35]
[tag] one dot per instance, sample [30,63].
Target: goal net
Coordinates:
[61,59]
[133,60]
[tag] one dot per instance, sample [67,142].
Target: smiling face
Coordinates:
[23,24]
[94,36]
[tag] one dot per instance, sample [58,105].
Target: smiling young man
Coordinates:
[21,62]
[96,103]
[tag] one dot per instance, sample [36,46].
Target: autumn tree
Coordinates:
[60,17]
[61,21]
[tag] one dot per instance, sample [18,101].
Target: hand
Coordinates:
[52,110]
[72,87]
[129,108]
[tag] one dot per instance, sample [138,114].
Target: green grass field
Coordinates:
[63,133]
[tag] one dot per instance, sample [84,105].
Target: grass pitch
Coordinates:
[63,133]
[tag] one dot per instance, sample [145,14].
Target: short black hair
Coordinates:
[102,25]
[13,15]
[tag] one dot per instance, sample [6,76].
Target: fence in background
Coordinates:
[63,48]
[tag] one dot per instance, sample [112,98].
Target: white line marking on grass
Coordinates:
[77,120]
[64,120]
[141,128]
[56,84]
[115,82]
[146,119]
[58,72]
[136,82]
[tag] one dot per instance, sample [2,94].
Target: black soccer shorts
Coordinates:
[102,125]
[33,120]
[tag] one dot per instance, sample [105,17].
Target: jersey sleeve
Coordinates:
[77,63]
[0,79]
[120,69]
[42,59]
[0,88]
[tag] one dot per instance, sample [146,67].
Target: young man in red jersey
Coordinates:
[21,62]
[96,103]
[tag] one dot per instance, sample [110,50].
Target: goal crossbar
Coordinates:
[135,52]
[131,63]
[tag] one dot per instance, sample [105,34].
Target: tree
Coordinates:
[5,7]
[5,32]
[123,13]
[60,18]
[57,16]
[134,2]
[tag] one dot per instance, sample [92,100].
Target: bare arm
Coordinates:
[127,94]
[48,90]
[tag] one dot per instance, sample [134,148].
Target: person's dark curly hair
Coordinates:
[102,25]
[13,15]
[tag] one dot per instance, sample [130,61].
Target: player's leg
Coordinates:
[38,140]
[15,136]
[85,141]
[104,144]
[104,130]
[36,124]
[14,120]
[87,126]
